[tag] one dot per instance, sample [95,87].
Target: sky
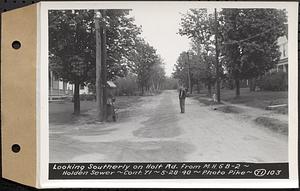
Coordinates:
[160,26]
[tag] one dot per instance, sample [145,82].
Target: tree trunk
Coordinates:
[198,87]
[231,84]
[76,99]
[209,89]
[252,84]
[98,85]
[237,87]
[142,90]
[104,69]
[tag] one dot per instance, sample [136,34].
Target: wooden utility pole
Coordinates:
[104,68]
[217,58]
[99,91]
[101,68]
[189,74]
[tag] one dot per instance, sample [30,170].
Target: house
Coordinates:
[283,48]
[58,89]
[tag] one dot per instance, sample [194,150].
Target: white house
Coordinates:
[283,48]
[60,90]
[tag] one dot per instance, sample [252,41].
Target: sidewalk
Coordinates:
[265,118]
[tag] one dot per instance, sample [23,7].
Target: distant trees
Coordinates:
[158,74]
[127,85]
[181,69]
[170,83]
[201,67]
[206,73]
[148,66]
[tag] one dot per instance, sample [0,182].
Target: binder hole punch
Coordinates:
[16,44]
[16,148]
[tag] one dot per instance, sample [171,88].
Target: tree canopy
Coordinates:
[148,65]
[249,37]
[72,43]
[198,25]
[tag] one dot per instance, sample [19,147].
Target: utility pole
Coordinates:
[101,68]
[104,68]
[189,74]
[99,91]
[217,58]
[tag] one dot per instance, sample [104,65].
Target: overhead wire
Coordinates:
[251,37]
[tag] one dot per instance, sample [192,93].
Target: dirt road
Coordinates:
[156,131]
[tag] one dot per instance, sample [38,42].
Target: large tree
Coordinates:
[71,48]
[198,25]
[121,33]
[249,37]
[72,45]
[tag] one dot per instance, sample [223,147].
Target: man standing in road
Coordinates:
[182,96]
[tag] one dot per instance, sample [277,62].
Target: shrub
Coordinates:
[170,83]
[276,81]
[127,85]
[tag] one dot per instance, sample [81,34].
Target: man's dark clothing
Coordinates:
[182,96]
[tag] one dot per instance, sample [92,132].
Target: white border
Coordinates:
[43,117]
[38,99]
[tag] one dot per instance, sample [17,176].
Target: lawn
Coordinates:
[62,112]
[259,99]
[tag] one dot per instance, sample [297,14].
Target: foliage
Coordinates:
[170,83]
[198,25]
[276,81]
[158,74]
[249,36]
[72,43]
[201,68]
[71,47]
[181,69]
[147,65]
[127,85]
[121,39]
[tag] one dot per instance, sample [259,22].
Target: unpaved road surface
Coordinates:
[156,131]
